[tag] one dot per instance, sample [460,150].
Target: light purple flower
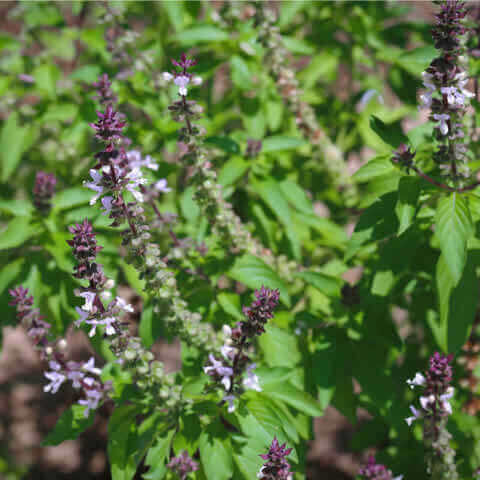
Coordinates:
[230,401]
[89,298]
[416,414]
[95,185]
[107,204]
[443,119]
[161,186]
[56,378]
[252,381]
[182,81]
[418,380]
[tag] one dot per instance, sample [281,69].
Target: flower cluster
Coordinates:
[43,191]
[276,466]
[94,313]
[208,192]
[435,408]
[83,376]
[377,471]
[183,78]
[234,371]
[118,171]
[446,94]
[182,465]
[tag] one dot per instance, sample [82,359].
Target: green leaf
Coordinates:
[230,302]
[290,395]
[69,426]
[273,196]
[72,197]
[127,442]
[408,193]
[18,231]
[16,207]
[374,168]
[300,47]
[275,342]
[150,328]
[201,34]
[234,169]
[121,432]
[327,284]
[241,76]
[453,229]
[46,77]
[61,113]
[86,73]
[254,272]
[391,134]
[9,273]
[280,143]
[12,145]
[216,452]
[156,456]
[458,304]
[417,60]
[224,143]
[296,196]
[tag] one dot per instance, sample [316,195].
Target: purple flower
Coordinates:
[161,186]
[30,317]
[184,62]
[182,465]
[55,376]
[219,372]
[43,191]
[260,311]
[104,92]
[109,125]
[85,250]
[276,466]
[26,78]
[377,471]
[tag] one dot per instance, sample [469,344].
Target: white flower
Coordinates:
[196,80]
[136,161]
[252,381]
[426,99]
[91,402]
[83,316]
[109,325]
[454,96]
[76,378]
[229,399]
[425,402]
[95,185]
[427,81]
[56,378]
[416,414]
[135,179]
[90,367]
[418,380]
[107,204]
[260,474]
[167,76]
[123,305]
[181,81]
[442,118]
[89,298]
[161,186]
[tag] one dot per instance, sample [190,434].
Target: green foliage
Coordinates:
[360,312]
